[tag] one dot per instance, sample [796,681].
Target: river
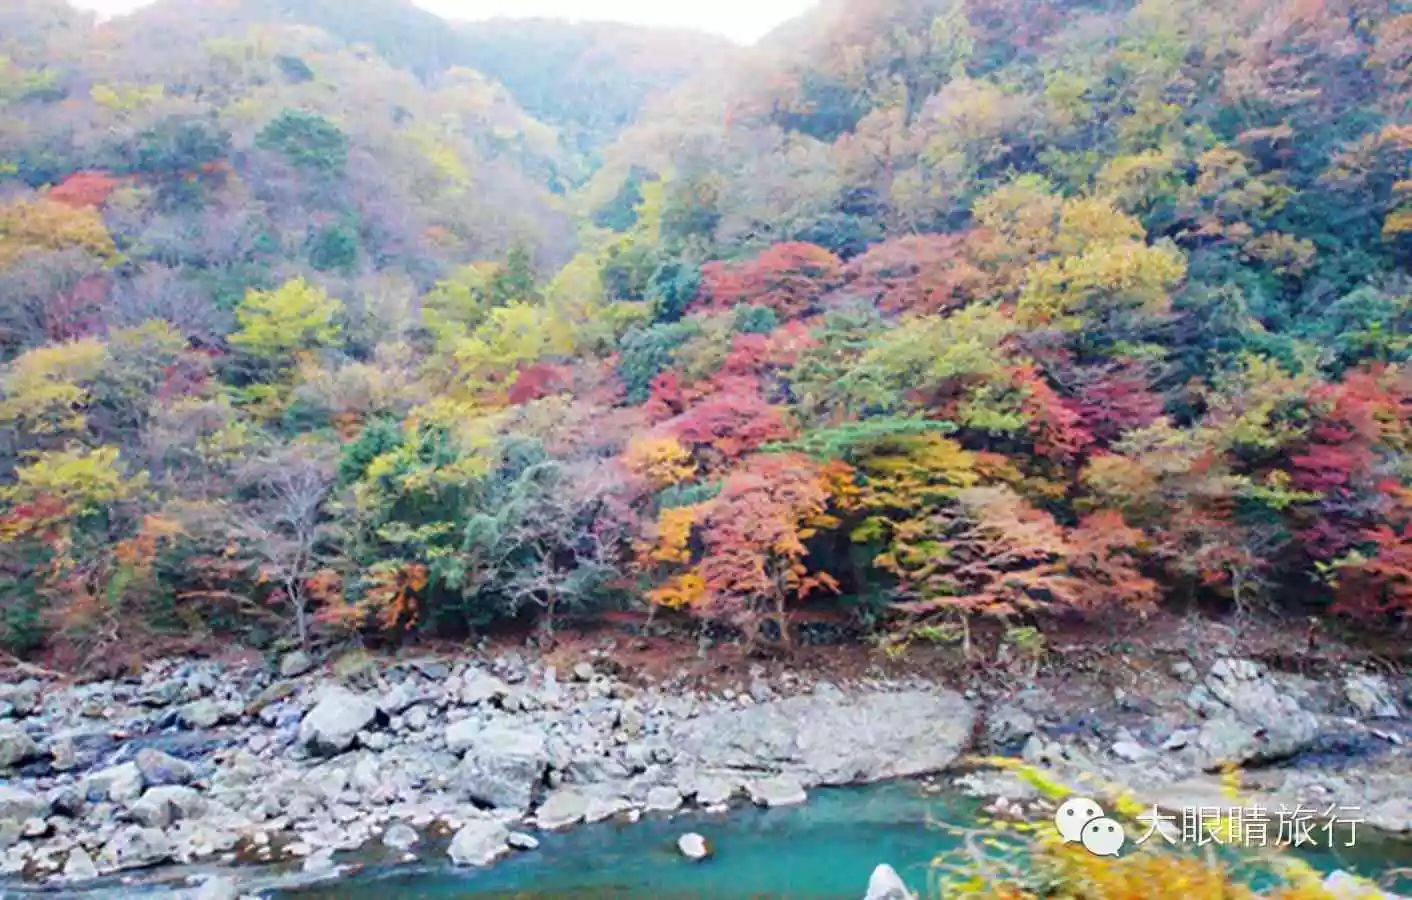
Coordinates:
[825,849]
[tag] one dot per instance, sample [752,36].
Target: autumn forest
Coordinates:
[334,323]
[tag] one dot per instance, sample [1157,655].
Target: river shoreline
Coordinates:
[196,768]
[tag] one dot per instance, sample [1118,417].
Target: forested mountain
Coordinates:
[918,311]
[591,80]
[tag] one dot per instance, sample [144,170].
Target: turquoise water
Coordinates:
[825,849]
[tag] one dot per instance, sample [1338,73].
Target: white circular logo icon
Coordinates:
[1103,837]
[1073,815]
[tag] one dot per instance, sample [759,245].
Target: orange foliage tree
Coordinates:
[788,278]
[924,273]
[754,537]
[85,189]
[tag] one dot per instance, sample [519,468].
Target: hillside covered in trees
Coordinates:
[918,312]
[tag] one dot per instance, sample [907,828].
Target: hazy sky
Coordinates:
[741,20]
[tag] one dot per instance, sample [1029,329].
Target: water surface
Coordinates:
[825,849]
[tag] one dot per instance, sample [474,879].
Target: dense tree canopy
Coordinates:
[920,312]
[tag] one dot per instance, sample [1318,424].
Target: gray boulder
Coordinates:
[710,790]
[1392,814]
[17,805]
[1370,696]
[159,807]
[120,784]
[605,805]
[663,799]
[400,837]
[463,735]
[201,714]
[79,866]
[1130,751]
[20,699]
[562,808]
[135,847]
[292,665]
[503,766]
[63,756]
[1008,724]
[334,722]
[830,738]
[1251,717]
[782,790]
[479,843]
[160,768]
[320,862]
[481,687]
[161,693]
[16,746]
[402,697]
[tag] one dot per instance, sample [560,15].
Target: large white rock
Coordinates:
[1250,717]
[564,807]
[502,766]
[831,738]
[886,884]
[120,784]
[161,806]
[79,866]
[160,768]
[462,735]
[294,664]
[201,714]
[693,846]
[712,791]
[481,687]
[606,805]
[479,843]
[16,746]
[782,790]
[334,722]
[1371,697]
[134,847]
[663,799]
[16,805]
[400,837]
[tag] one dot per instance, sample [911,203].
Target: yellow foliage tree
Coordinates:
[46,225]
[1108,277]
[663,461]
[83,480]
[460,302]
[511,336]
[127,98]
[277,325]
[45,391]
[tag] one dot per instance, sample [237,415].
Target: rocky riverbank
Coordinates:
[1339,741]
[196,762]
[201,764]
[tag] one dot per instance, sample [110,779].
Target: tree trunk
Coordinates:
[301,612]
